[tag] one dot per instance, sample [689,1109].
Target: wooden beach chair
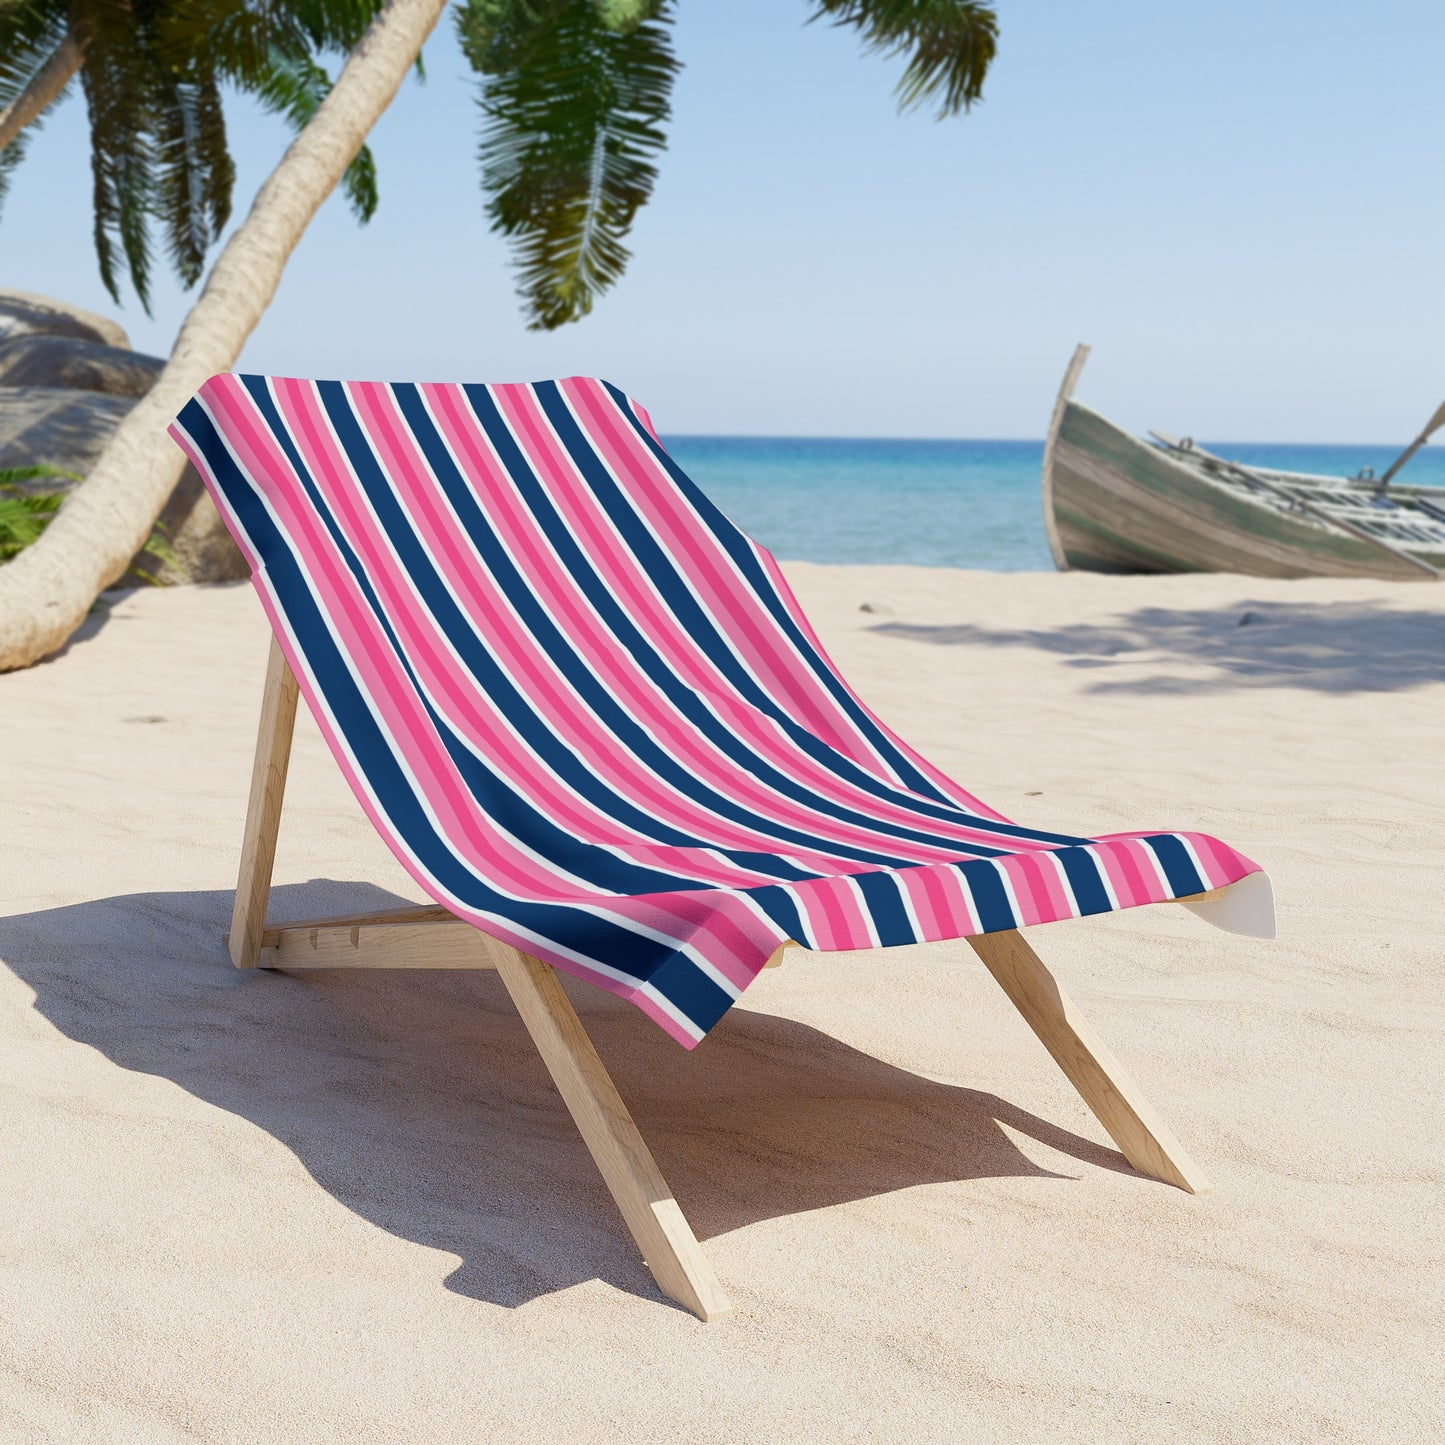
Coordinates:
[589,717]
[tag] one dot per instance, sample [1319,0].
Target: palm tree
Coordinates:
[152,74]
[575,93]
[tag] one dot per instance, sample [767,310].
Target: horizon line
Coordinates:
[996,441]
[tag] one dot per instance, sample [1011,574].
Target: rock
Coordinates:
[58,426]
[67,361]
[24,314]
[201,547]
[69,429]
[67,377]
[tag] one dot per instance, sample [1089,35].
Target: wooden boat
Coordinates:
[1116,503]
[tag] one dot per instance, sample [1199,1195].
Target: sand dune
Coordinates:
[351,1208]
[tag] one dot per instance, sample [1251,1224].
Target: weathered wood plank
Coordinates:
[263,810]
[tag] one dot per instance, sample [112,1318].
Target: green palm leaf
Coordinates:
[294,85]
[949,43]
[575,93]
[29,35]
[117,76]
[152,72]
[194,172]
[269,50]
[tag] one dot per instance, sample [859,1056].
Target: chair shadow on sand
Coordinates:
[1322,647]
[416,1099]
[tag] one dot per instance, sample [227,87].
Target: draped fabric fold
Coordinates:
[585,711]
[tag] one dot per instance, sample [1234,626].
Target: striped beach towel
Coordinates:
[585,711]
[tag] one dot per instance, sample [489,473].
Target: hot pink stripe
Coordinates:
[660,627]
[383,676]
[743,622]
[716,924]
[520,408]
[517,528]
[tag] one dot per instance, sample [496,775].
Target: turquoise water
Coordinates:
[933,503]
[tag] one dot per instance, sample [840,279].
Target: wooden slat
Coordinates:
[1142,1136]
[1325,517]
[662,1233]
[422,944]
[263,811]
[410,913]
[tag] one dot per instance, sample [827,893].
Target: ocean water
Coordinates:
[933,503]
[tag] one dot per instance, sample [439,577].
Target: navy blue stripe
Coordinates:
[740,548]
[995,912]
[582,571]
[1082,870]
[882,893]
[574,667]
[681,600]
[682,983]
[1179,868]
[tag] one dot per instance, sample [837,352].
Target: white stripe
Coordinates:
[857,799]
[1009,893]
[1092,850]
[703,530]
[1204,874]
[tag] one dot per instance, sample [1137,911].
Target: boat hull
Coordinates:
[1116,504]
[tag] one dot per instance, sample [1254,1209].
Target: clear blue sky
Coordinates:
[1239,205]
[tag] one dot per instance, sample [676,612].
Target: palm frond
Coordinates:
[574,95]
[29,36]
[24,515]
[194,170]
[11,477]
[950,45]
[117,78]
[11,157]
[336,25]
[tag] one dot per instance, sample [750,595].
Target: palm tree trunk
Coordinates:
[45,85]
[47,590]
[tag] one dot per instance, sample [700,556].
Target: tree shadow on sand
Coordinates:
[1322,647]
[416,1098]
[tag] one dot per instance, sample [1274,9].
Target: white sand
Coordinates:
[349,1208]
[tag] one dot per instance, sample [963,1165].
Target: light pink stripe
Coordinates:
[382,674]
[516,527]
[663,630]
[742,622]
[468,710]
[946,785]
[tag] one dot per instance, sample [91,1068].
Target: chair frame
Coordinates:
[429,936]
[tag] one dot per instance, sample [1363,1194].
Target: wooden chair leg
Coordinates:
[662,1233]
[263,811]
[1142,1136]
